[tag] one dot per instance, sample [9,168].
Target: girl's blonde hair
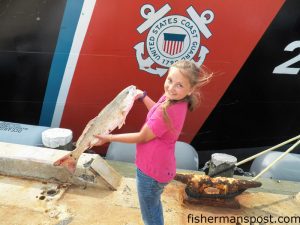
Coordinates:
[197,78]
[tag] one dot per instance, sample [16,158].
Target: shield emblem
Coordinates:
[173,43]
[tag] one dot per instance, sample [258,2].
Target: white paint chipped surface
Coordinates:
[25,201]
[37,163]
[220,158]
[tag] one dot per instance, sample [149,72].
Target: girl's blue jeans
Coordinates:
[149,193]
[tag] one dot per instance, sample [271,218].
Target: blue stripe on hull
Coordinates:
[61,55]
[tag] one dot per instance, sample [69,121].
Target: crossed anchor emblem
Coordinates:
[172,38]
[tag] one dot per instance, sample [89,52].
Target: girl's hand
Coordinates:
[100,140]
[139,94]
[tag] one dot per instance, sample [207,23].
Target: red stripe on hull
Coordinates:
[107,61]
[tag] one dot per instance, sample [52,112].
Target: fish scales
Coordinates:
[111,116]
[107,120]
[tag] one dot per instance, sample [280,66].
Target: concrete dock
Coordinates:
[32,191]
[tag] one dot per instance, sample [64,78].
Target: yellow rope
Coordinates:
[276,160]
[269,149]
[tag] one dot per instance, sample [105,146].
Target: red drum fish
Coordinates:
[111,117]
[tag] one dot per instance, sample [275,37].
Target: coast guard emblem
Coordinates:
[171,38]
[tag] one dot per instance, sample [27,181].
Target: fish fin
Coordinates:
[121,124]
[68,161]
[124,114]
[87,127]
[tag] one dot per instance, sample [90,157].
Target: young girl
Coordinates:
[155,149]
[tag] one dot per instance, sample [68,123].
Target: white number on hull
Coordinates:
[284,67]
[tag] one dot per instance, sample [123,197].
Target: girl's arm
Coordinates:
[146,99]
[144,135]
[148,102]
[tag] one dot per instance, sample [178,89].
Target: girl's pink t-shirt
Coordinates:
[156,158]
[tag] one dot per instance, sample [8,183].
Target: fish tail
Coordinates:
[68,161]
